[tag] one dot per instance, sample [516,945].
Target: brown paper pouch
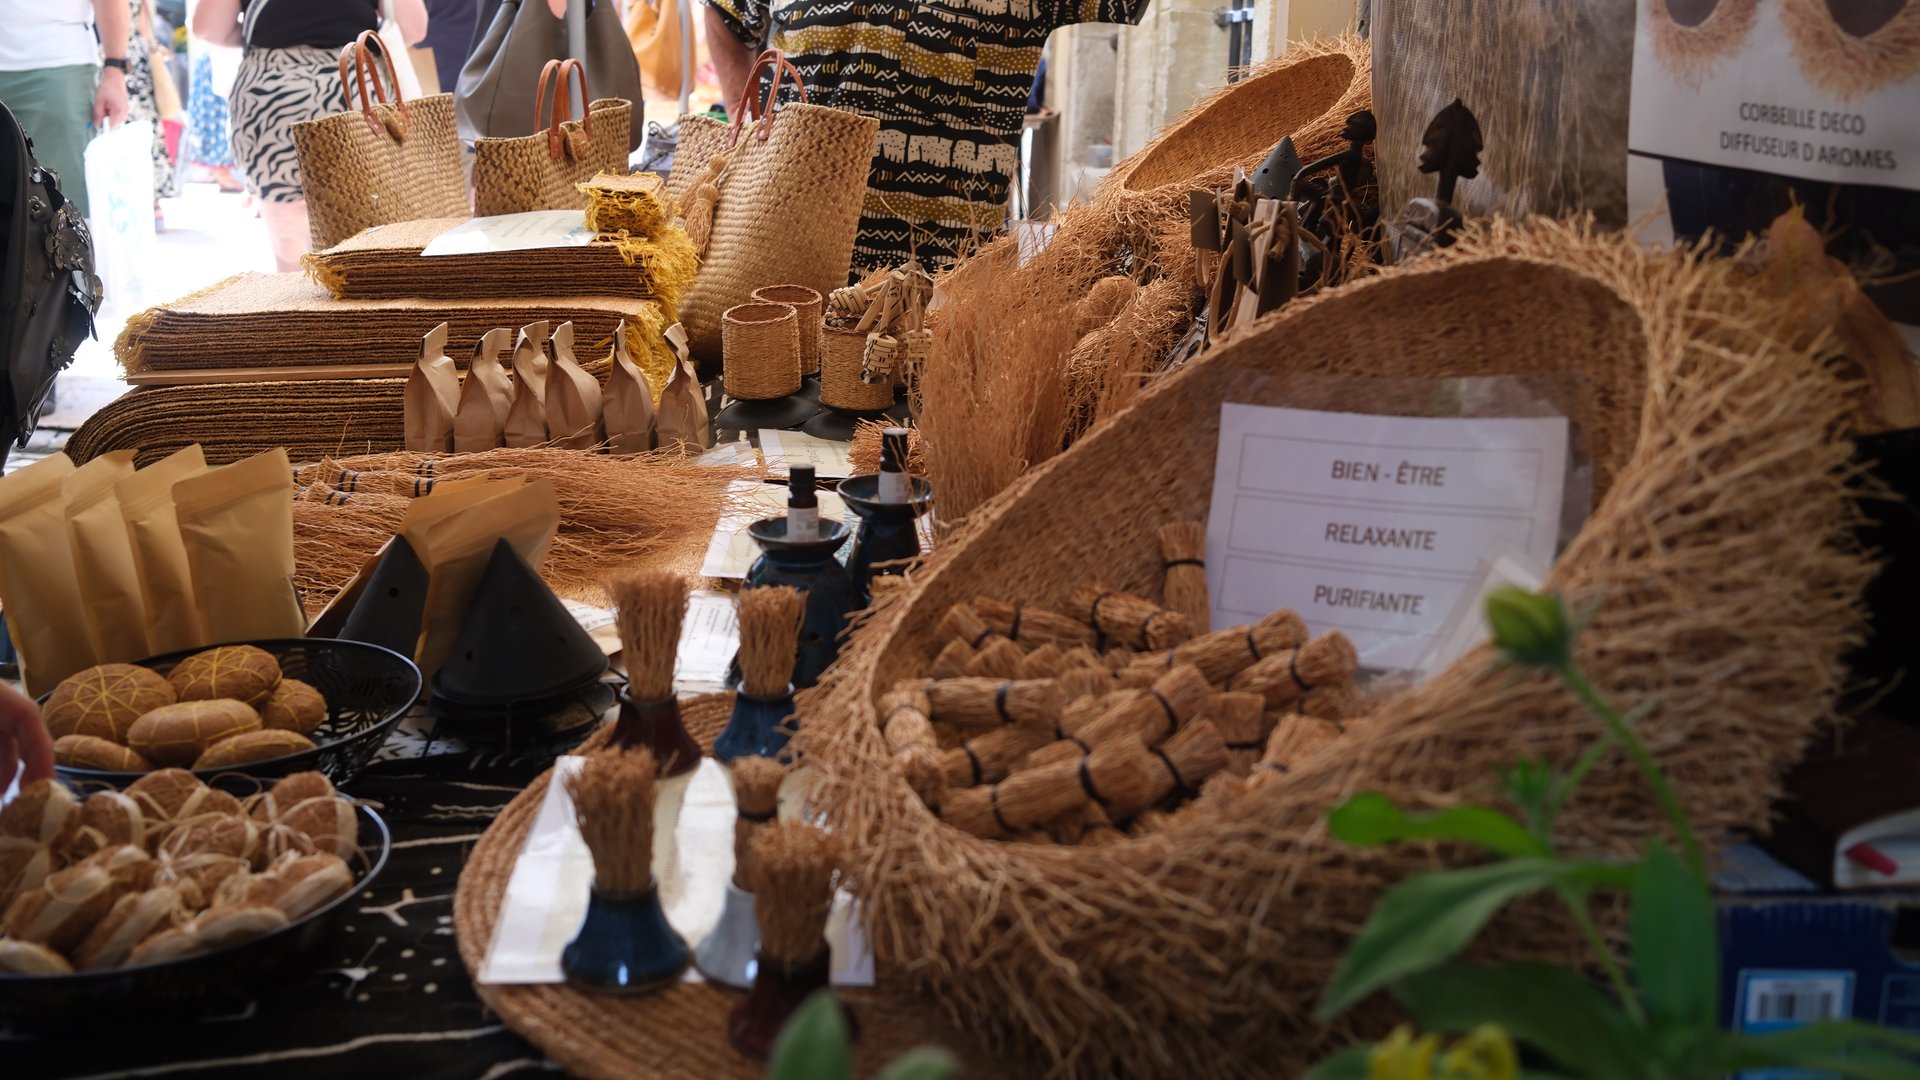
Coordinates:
[574,403]
[454,547]
[38,588]
[628,411]
[527,420]
[485,397]
[166,581]
[237,525]
[432,396]
[103,560]
[682,416]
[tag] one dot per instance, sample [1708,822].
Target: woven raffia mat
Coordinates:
[1719,553]
[267,320]
[677,1033]
[321,418]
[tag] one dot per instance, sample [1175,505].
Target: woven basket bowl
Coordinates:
[840,384]
[810,305]
[760,350]
[1717,550]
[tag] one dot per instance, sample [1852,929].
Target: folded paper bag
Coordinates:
[628,412]
[480,422]
[38,588]
[432,397]
[574,402]
[453,540]
[237,526]
[527,417]
[160,559]
[103,560]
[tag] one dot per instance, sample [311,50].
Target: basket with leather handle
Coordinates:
[383,162]
[542,171]
[772,198]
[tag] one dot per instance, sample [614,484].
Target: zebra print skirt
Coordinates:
[276,89]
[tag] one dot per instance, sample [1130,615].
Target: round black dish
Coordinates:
[186,984]
[368,689]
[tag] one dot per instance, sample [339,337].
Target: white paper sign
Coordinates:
[709,636]
[830,460]
[1373,525]
[513,232]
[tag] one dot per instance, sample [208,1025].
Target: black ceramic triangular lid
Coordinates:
[519,642]
[391,603]
[1274,178]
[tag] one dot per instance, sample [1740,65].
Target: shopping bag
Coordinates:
[491,98]
[119,166]
[774,201]
[541,171]
[382,162]
[661,33]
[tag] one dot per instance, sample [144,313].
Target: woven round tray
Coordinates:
[680,1032]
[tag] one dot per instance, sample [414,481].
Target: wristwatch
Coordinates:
[116,62]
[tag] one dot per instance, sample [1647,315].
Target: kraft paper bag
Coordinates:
[628,414]
[38,588]
[681,420]
[574,403]
[527,418]
[103,560]
[480,422]
[454,540]
[237,526]
[166,580]
[432,397]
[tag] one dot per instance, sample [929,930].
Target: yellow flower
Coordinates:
[1403,1057]
[1486,1053]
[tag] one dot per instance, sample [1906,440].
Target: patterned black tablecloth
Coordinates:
[385,996]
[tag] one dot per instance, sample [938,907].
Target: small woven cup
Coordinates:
[760,351]
[840,384]
[811,307]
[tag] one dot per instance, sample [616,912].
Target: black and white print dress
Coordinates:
[276,89]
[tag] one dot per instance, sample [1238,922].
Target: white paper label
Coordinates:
[513,232]
[1373,525]
[803,523]
[783,449]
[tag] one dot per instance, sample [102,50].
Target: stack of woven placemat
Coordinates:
[273,321]
[231,421]
[385,262]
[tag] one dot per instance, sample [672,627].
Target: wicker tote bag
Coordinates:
[388,161]
[540,171]
[774,201]
[491,97]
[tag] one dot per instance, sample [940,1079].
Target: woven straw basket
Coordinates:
[810,306]
[1717,550]
[762,351]
[511,176]
[841,386]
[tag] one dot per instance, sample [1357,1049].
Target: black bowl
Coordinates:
[368,689]
[188,983]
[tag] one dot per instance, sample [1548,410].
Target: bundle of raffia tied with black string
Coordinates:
[1011,382]
[1718,552]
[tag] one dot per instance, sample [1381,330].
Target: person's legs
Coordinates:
[55,106]
[288,228]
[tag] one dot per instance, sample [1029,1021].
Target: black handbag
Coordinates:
[48,290]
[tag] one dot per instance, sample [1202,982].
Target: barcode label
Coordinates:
[1777,1000]
[1796,1003]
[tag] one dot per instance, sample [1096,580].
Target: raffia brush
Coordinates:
[1244,724]
[648,607]
[988,703]
[1183,552]
[1041,663]
[1083,682]
[952,661]
[1130,620]
[1225,653]
[1194,753]
[1082,656]
[904,716]
[1175,698]
[1339,702]
[1000,659]
[1284,677]
[963,624]
[1076,717]
[756,799]
[990,757]
[612,797]
[770,619]
[1295,738]
[1032,625]
[1120,774]
[793,866]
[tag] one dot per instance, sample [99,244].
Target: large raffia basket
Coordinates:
[315,419]
[1007,369]
[544,171]
[1717,550]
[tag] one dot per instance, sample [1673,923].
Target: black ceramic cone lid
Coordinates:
[392,602]
[519,643]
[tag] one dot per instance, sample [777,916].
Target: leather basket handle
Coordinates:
[563,107]
[764,114]
[368,55]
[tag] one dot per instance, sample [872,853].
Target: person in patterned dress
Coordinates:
[947,79]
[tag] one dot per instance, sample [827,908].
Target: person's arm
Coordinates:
[217,22]
[145,29]
[111,20]
[23,737]
[732,55]
[412,17]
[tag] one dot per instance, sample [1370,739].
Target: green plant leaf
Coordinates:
[1370,819]
[920,1063]
[1427,918]
[1348,1064]
[1842,1047]
[1551,1009]
[1676,954]
[814,1044]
